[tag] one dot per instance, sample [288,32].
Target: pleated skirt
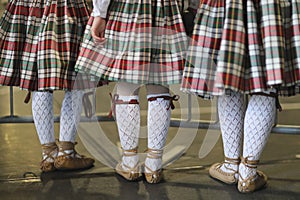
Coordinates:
[145,44]
[39,43]
[247,46]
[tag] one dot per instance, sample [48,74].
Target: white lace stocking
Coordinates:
[128,122]
[70,116]
[42,112]
[259,119]
[159,114]
[231,115]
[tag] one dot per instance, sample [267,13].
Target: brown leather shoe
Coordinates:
[216,172]
[129,173]
[48,149]
[252,183]
[153,176]
[72,160]
[157,175]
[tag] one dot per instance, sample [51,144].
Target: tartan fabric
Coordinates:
[39,43]
[246,46]
[145,44]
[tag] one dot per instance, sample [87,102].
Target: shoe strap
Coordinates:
[154,153]
[48,149]
[230,161]
[130,152]
[249,179]
[249,163]
[64,146]
[156,173]
[233,161]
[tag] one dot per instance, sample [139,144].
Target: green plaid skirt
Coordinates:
[145,44]
[39,43]
[246,46]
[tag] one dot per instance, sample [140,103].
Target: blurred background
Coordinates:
[185,178]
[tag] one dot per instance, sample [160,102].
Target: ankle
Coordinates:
[130,158]
[67,149]
[51,156]
[49,151]
[153,164]
[230,165]
[130,161]
[153,160]
[246,172]
[247,168]
[226,167]
[70,153]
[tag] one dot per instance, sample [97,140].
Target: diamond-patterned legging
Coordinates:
[128,121]
[42,110]
[250,130]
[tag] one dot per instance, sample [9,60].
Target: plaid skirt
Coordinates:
[145,44]
[247,46]
[39,43]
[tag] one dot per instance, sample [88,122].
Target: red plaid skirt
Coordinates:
[39,43]
[145,44]
[246,46]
